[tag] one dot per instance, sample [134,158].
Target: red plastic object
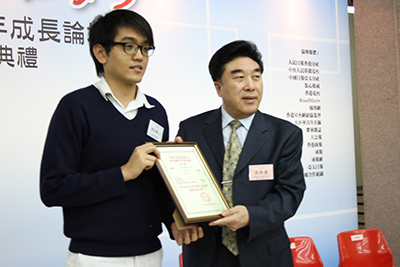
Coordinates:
[364,248]
[305,252]
[180,260]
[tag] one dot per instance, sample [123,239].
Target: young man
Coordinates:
[256,159]
[98,156]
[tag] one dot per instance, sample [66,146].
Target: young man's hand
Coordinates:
[186,236]
[142,158]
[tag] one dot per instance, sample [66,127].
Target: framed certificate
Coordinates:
[196,193]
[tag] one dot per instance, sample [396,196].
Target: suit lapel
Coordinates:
[256,137]
[213,135]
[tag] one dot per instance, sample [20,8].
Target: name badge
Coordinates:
[155,131]
[261,172]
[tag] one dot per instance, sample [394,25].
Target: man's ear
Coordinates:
[100,53]
[218,86]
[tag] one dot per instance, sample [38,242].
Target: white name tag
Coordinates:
[261,172]
[155,131]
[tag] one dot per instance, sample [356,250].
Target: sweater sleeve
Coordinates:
[61,183]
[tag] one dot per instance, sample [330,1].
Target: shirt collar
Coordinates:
[226,119]
[106,92]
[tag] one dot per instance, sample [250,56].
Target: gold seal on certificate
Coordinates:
[190,181]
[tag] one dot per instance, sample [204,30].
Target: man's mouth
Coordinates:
[137,68]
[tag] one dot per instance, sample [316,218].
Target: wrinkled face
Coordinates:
[121,68]
[240,87]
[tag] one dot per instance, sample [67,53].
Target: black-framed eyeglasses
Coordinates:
[131,48]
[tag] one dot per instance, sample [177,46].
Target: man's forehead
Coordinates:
[130,34]
[242,63]
[231,69]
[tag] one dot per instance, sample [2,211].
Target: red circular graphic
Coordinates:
[205,196]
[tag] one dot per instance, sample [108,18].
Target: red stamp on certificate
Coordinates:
[205,196]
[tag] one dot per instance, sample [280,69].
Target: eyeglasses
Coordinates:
[131,48]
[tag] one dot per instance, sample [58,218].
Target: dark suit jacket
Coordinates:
[269,141]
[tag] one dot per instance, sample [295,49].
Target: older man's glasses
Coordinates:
[132,48]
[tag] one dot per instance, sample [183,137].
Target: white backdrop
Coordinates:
[305,44]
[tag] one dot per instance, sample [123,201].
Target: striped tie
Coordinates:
[231,159]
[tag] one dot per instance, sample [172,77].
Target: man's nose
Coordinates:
[138,55]
[249,84]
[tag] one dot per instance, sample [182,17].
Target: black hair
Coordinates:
[231,51]
[103,29]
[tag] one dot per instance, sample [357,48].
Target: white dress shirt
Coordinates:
[132,109]
[242,131]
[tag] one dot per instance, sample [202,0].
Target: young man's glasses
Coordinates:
[131,48]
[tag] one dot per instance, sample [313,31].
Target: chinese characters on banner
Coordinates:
[306,73]
[47,30]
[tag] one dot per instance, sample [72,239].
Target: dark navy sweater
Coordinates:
[88,141]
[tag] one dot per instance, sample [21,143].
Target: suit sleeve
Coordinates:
[283,199]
